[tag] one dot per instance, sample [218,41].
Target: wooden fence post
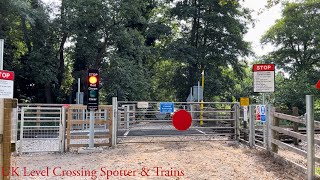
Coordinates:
[275,134]
[295,112]
[6,137]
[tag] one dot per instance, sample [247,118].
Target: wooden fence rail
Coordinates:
[276,130]
[78,137]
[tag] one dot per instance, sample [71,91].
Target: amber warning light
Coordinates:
[93,79]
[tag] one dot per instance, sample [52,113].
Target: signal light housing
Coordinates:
[93,89]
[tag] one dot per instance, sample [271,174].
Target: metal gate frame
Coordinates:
[61,127]
[125,118]
[255,133]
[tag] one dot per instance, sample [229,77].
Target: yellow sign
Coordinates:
[244,101]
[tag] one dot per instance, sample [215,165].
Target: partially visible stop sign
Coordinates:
[181,120]
[318,85]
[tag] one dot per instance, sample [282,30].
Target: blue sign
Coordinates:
[166,107]
[263,113]
[262,110]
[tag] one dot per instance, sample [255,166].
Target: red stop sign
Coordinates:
[181,120]
[318,85]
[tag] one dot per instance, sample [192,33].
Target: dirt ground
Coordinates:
[197,160]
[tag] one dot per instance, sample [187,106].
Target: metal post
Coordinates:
[198,91]
[191,112]
[91,135]
[1,105]
[21,131]
[245,122]
[62,129]
[264,129]
[310,137]
[269,120]
[114,121]
[127,116]
[78,97]
[1,53]
[201,105]
[252,128]
[237,112]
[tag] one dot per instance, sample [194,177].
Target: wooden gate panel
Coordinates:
[78,126]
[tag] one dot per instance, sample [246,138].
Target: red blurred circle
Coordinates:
[181,120]
[318,85]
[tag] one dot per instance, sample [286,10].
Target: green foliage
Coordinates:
[291,92]
[162,89]
[211,39]
[145,49]
[296,36]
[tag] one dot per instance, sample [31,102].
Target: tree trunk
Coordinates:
[61,48]
[61,59]
[99,56]
[48,93]
[25,34]
[194,24]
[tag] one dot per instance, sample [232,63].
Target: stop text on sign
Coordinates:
[263,67]
[6,84]
[6,75]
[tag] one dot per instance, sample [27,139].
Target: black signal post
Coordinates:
[93,89]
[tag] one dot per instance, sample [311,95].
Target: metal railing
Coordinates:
[219,119]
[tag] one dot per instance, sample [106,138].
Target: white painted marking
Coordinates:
[126,133]
[201,131]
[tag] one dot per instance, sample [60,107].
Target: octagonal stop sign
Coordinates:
[318,85]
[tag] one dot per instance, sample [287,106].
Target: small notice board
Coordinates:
[166,107]
[244,101]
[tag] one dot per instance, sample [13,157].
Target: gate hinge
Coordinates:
[1,138]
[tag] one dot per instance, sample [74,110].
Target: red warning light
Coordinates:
[181,120]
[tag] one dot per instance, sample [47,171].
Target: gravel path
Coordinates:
[197,160]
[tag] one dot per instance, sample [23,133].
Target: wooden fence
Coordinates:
[78,123]
[275,118]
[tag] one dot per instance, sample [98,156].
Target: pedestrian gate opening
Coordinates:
[41,129]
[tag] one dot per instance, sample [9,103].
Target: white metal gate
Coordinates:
[210,121]
[41,129]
